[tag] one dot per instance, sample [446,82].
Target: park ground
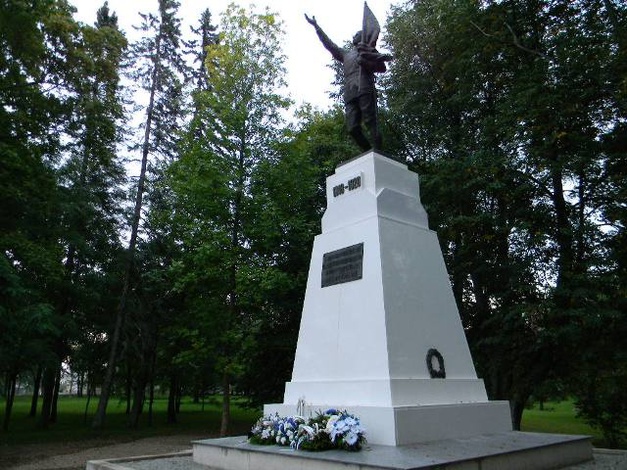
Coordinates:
[69,443]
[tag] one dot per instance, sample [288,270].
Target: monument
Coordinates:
[380,333]
[381,338]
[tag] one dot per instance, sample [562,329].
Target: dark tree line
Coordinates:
[61,193]
[190,277]
[513,113]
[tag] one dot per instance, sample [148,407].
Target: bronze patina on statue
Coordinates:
[360,63]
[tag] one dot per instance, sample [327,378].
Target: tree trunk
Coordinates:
[226,404]
[151,401]
[517,406]
[99,418]
[138,404]
[49,379]
[172,399]
[10,397]
[103,401]
[128,390]
[233,308]
[179,397]
[80,377]
[89,393]
[35,399]
[55,397]
[153,366]
[563,237]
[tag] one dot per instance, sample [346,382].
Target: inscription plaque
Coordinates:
[350,185]
[343,265]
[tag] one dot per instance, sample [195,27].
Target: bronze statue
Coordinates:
[360,63]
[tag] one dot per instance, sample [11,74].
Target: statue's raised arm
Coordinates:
[360,63]
[312,21]
[336,51]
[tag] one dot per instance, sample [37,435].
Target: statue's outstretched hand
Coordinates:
[312,21]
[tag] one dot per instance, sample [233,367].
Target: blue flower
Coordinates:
[338,428]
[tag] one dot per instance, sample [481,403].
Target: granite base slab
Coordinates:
[510,450]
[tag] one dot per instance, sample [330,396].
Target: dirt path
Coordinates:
[73,455]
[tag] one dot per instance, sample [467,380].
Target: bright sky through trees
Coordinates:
[308,78]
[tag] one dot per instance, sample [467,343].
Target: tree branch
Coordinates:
[482,31]
[517,42]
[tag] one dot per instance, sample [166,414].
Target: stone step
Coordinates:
[510,450]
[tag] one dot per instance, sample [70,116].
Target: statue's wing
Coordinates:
[370,28]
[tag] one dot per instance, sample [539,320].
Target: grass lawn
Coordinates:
[71,425]
[559,418]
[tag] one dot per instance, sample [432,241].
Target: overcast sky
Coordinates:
[308,77]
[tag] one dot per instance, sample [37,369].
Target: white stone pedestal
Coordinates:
[378,299]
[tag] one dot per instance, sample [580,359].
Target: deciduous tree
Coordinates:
[506,131]
[236,124]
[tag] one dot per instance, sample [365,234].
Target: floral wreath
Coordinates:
[332,429]
[440,372]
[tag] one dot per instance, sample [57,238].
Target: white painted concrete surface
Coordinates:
[362,344]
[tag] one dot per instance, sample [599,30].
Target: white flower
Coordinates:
[308,429]
[331,423]
[351,438]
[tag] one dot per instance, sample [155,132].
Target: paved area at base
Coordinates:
[603,460]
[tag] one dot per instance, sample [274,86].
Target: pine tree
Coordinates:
[90,178]
[157,65]
[46,62]
[204,36]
